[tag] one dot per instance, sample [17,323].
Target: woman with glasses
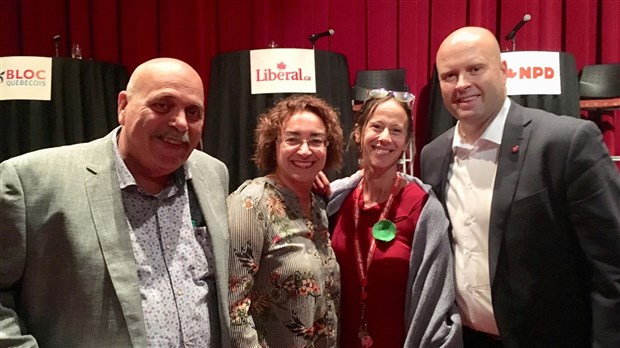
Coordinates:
[390,235]
[284,279]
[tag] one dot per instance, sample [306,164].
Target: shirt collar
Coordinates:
[126,179]
[493,133]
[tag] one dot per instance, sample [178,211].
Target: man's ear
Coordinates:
[504,69]
[122,104]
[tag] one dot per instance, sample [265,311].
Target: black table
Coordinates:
[82,107]
[232,110]
[567,103]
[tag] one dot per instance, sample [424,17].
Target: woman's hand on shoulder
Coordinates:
[321,185]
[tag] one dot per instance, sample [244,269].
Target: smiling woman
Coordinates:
[390,237]
[284,284]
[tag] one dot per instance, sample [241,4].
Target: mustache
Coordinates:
[184,137]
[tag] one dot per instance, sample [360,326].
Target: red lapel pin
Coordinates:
[515,149]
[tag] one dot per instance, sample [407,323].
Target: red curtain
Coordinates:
[372,34]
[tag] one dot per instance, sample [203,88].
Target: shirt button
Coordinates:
[468,221]
[469,185]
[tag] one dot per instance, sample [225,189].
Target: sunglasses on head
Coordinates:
[379,93]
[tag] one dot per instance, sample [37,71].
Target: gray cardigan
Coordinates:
[431,316]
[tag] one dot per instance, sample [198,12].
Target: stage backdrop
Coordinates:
[372,34]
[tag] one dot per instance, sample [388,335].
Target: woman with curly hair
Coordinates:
[284,280]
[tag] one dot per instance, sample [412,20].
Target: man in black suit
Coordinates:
[534,203]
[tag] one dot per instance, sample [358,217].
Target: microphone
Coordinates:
[56,39]
[315,37]
[514,30]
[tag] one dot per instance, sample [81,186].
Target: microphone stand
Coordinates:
[513,33]
[313,38]
[56,39]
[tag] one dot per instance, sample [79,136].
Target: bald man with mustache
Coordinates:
[122,241]
[534,204]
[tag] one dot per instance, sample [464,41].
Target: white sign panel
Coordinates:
[25,78]
[533,72]
[282,70]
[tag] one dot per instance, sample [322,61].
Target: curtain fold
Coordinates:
[372,34]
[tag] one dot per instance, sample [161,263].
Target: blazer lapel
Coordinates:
[445,159]
[110,222]
[511,156]
[437,164]
[216,223]
[212,201]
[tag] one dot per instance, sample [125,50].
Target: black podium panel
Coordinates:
[232,110]
[567,103]
[82,108]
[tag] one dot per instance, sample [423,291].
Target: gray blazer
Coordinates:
[67,271]
[554,230]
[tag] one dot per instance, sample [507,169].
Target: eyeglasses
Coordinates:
[404,97]
[314,143]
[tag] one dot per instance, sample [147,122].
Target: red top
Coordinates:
[387,276]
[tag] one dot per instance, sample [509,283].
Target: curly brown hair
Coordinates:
[270,125]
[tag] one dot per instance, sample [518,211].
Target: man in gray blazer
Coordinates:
[534,205]
[122,241]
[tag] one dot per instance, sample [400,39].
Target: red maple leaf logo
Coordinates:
[281,66]
[510,73]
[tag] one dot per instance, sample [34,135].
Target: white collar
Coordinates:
[493,133]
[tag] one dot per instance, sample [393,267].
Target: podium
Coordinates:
[566,103]
[82,108]
[232,111]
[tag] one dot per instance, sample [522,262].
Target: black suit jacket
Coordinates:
[554,233]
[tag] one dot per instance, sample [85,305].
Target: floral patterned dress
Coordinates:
[284,283]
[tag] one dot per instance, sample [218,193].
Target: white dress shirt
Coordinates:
[469,194]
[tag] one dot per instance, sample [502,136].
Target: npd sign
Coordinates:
[533,72]
[25,78]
